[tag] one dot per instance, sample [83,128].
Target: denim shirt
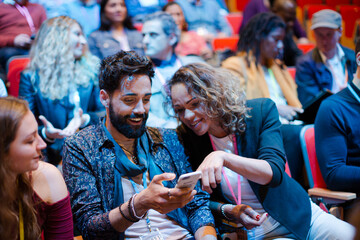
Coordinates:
[88,166]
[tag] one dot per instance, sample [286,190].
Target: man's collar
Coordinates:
[107,140]
[339,53]
[162,63]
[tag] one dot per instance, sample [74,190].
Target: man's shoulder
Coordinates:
[92,134]
[190,59]
[349,53]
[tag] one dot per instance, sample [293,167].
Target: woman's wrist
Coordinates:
[43,133]
[225,210]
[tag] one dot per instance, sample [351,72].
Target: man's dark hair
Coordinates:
[105,23]
[257,29]
[123,63]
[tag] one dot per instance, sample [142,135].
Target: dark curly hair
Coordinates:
[257,29]
[105,23]
[123,63]
[218,90]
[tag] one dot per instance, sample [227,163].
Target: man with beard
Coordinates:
[122,175]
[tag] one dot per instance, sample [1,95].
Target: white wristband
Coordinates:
[45,137]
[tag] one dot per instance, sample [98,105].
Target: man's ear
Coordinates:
[104,98]
[173,39]
[340,31]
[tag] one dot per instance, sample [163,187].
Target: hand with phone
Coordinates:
[188,180]
[160,198]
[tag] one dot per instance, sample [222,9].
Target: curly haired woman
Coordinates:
[33,193]
[61,82]
[237,145]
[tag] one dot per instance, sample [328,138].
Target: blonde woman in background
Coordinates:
[61,82]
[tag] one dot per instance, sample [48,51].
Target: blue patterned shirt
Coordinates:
[88,166]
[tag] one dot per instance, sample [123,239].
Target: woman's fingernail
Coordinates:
[258,217]
[267,214]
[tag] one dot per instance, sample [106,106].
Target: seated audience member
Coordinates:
[161,36]
[254,7]
[337,136]
[61,82]
[34,198]
[3,92]
[262,76]
[329,66]
[237,145]
[121,175]
[19,22]
[206,18]
[190,42]
[85,12]
[116,31]
[286,9]
[138,9]
[51,7]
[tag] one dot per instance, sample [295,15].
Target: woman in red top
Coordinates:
[190,43]
[34,197]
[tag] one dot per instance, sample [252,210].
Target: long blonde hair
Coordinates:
[12,112]
[52,58]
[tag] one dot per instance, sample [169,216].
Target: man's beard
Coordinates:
[129,131]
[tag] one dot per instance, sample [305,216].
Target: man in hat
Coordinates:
[329,66]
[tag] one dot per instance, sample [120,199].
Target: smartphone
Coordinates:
[188,180]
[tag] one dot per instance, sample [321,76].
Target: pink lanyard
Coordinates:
[25,12]
[237,201]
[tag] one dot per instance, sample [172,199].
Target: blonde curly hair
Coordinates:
[220,92]
[52,58]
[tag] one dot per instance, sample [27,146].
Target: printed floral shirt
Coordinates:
[88,166]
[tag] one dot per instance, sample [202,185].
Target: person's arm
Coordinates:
[267,169]
[86,199]
[235,66]
[332,143]
[86,203]
[307,86]
[27,91]
[242,214]
[255,170]
[222,25]
[205,233]
[49,185]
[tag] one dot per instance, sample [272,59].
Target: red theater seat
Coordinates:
[15,66]
[318,190]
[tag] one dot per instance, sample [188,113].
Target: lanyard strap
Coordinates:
[21,222]
[238,200]
[353,93]
[161,77]
[25,12]
[137,191]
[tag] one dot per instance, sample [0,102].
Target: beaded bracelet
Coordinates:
[133,209]
[122,214]
[222,209]
[130,210]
